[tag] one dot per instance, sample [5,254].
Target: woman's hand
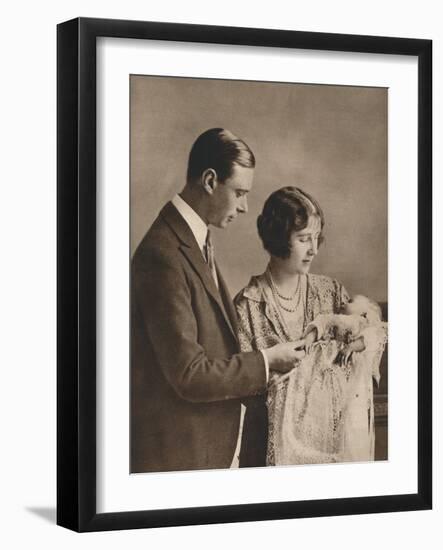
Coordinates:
[344,356]
[310,340]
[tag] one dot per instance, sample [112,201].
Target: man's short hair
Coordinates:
[286,210]
[220,150]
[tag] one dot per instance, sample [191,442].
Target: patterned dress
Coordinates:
[320,412]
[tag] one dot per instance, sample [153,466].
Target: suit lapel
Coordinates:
[190,249]
[227,301]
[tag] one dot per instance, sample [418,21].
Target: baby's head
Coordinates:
[365,307]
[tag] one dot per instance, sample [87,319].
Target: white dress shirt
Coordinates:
[196,224]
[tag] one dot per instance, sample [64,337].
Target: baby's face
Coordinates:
[359,305]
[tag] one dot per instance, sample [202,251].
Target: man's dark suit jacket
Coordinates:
[186,373]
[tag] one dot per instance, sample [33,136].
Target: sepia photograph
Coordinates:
[258,274]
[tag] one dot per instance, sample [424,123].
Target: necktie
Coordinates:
[209,252]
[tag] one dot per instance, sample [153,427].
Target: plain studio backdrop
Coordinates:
[28,289]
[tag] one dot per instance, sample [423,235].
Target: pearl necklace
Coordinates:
[298,292]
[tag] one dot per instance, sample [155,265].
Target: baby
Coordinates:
[347,327]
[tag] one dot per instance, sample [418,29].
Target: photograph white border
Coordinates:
[117,490]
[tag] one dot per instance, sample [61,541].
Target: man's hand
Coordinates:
[282,357]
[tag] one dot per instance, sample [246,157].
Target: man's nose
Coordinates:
[243,206]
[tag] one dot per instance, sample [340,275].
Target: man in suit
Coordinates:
[187,375]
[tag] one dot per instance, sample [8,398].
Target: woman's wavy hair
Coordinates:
[286,210]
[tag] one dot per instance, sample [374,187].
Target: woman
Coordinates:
[319,413]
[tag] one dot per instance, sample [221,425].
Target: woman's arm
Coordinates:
[245,336]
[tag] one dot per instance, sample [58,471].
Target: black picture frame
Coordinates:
[76,266]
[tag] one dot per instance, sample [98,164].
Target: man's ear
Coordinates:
[209,180]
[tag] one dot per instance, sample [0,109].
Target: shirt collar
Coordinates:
[196,224]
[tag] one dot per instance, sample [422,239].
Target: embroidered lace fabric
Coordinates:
[320,412]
